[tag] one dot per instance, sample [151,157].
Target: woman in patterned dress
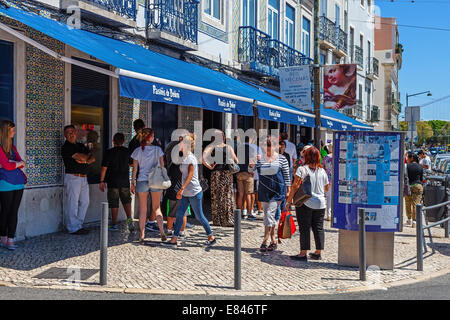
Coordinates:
[215,158]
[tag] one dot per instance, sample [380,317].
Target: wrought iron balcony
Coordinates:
[266,55]
[341,40]
[122,7]
[359,109]
[327,31]
[397,106]
[372,67]
[177,17]
[375,114]
[359,56]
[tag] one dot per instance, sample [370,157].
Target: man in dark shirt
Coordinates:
[138,125]
[76,158]
[115,174]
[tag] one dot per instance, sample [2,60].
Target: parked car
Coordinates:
[439,158]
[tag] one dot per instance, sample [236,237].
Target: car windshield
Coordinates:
[447,171]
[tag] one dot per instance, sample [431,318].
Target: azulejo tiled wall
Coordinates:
[130,110]
[188,116]
[44,109]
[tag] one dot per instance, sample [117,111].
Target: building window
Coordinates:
[273,19]
[323,8]
[337,16]
[306,37]
[362,3]
[323,59]
[249,13]
[290,26]
[212,8]
[6,80]
[352,44]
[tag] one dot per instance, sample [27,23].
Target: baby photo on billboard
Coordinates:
[339,86]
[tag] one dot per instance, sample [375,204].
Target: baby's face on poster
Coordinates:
[335,75]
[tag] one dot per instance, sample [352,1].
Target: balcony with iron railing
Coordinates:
[174,22]
[327,32]
[372,68]
[375,114]
[359,57]
[341,40]
[259,52]
[124,8]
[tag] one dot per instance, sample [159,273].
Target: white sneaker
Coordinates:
[408,222]
[244,214]
[413,224]
[169,232]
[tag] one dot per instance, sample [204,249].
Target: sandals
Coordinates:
[263,248]
[299,258]
[272,247]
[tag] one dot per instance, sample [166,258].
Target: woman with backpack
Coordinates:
[12,184]
[310,215]
[274,186]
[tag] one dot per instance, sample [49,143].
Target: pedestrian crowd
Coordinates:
[260,185]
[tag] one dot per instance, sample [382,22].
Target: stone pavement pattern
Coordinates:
[43,261]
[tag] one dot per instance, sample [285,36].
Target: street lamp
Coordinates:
[411,116]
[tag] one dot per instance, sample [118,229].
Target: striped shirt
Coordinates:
[271,168]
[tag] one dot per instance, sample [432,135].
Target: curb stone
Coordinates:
[237,293]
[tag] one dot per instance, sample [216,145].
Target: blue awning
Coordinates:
[334,120]
[147,75]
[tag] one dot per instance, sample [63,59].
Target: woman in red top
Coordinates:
[12,183]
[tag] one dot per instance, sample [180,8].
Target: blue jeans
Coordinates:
[196,205]
[280,207]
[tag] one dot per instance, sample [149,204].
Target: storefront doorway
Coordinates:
[212,119]
[90,113]
[164,121]
[6,80]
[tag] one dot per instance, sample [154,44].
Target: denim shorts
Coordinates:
[142,186]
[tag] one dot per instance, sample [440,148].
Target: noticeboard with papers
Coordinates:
[368,173]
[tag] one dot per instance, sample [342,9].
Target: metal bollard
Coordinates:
[237,249]
[362,244]
[419,237]
[104,244]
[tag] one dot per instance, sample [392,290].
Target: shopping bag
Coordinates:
[286,226]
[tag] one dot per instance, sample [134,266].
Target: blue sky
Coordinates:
[426,55]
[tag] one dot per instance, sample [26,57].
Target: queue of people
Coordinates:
[262,181]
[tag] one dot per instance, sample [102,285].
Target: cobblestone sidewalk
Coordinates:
[46,260]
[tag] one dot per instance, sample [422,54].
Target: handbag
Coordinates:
[233,167]
[304,193]
[286,226]
[158,177]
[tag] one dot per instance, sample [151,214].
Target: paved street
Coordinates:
[193,269]
[434,289]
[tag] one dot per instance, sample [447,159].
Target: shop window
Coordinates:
[164,122]
[90,113]
[6,80]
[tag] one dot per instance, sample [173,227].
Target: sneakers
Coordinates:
[408,222]
[152,226]
[169,232]
[244,214]
[189,225]
[130,224]
[210,243]
[252,216]
[113,227]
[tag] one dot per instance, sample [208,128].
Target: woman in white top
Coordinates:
[311,213]
[191,192]
[146,158]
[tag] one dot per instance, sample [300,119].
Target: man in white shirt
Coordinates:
[290,149]
[425,161]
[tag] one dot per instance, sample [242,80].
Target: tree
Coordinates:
[403,126]
[424,131]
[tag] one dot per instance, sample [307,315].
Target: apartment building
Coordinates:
[361,40]
[388,51]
